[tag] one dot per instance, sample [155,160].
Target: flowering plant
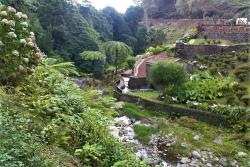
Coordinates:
[19,53]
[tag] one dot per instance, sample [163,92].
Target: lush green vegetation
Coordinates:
[201,91]
[186,128]
[168,75]
[65,29]
[93,62]
[47,102]
[19,52]
[45,118]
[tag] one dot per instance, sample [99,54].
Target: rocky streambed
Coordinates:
[156,152]
[123,130]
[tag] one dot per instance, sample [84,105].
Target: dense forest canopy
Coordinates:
[64,28]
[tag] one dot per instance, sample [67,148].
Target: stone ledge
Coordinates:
[207,117]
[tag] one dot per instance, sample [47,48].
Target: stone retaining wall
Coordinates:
[232,33]
[137,83]
[210,118]
[188,52]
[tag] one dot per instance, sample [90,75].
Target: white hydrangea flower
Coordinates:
[25,24]
[26,60]
[24,16]
[196,103]
[12,23]
[38,55]
[11,9]
[21,68]
[32,71]
[19,15]
[12,35]
[29,40]
[32,33]
[15,53]
[31,44]
[23,41]
[5,21]
[3,13]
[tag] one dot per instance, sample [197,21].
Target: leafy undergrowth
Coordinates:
[48,121]
[235,65]
[186,128]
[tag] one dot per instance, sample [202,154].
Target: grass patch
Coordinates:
[143,133]
[151,96]
[135,111]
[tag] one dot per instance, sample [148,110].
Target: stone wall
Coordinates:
[175,110]
[188,52]
[232,33]
[137,83]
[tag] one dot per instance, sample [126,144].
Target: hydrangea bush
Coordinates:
[19,53]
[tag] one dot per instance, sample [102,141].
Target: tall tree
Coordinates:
[71,33]
[120,26]
[117,52]
[133,16]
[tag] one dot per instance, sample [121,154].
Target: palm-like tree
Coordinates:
[117,52]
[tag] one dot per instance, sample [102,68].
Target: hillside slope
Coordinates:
[197,8]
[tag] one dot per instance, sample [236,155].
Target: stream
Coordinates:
[155,153]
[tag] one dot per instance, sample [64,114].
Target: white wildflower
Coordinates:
[23,41]
[24,29]
[214,106]
[174,99]
[19,15]
[12,35]
[11,9]
[3,13]
[25,24]
[15,53]
[1,43]
[196,103]
[26,60]
[24,16]
[203,66]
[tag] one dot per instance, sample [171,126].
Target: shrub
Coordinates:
[203,87]
[168,74]
[131,61]
[18,50]
[155,50]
